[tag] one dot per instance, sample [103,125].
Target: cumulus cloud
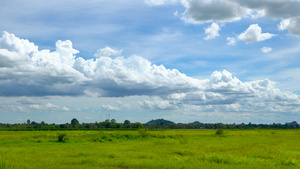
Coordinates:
[27,71]
[132,76]
[107,52]
[40,73]
[212,31]
[32,72]
[266,49]
[224,91]
[254,34]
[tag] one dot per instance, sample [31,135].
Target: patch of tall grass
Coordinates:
[158,149]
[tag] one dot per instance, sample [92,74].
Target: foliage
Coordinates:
[143,132]
[219,132]
[62,137]
[113,121]
[153,124]
[137,125]
[126,122]
[74,121]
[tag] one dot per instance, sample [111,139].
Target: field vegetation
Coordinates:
[127,125]
[150,149]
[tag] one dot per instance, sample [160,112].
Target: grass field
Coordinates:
[150,149]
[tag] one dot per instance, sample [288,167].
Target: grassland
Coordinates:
[153,149]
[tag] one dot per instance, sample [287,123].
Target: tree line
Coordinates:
[220,126]
[127,125]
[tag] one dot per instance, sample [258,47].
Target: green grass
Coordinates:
[150,149]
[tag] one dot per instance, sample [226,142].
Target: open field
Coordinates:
[150,149]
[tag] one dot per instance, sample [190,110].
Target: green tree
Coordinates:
[219,132]
[74,121]
[126,122]
[137,125]
[33,123]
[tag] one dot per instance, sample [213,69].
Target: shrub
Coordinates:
[143,132]
[219,132]
[62,137]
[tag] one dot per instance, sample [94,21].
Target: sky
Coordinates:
[228,61]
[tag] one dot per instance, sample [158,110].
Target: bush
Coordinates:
[219,132]
[143,132]
[62,137]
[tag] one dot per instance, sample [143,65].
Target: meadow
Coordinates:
[150,149]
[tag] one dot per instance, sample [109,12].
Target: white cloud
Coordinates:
[13,44]
[108,52]
[27,71]
[47,107]
[132,76]
[223,90]
[231,41]
[266,49]
[158,105]
[45,73]
[59,73]
[254,34]
[66,52]
[108,107]
[212,31]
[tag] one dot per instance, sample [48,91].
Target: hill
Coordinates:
[195,122]
[160,121]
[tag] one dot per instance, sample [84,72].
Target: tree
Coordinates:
[74,121]
[113,121]
[138,125]
[33,123]
[28,121]
[126,122]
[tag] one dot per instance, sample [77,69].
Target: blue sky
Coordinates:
[228,61]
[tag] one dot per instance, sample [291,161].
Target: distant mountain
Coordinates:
[160,121]
[195,122]
[294,123]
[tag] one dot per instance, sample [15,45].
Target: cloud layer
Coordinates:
[202,11]
[27,71]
